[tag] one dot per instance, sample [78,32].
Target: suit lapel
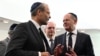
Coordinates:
[34,30]
[38,36]
[77,41]
[64,42]
[36,33]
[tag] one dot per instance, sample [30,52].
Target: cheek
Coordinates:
[66,24]
[53,31]
[46,16]
[50,31]
[72,23]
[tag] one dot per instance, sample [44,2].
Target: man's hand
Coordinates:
[58,50]
[45,54]
[71,53]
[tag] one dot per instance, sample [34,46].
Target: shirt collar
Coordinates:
[74,32]
[49,38]
[36,24]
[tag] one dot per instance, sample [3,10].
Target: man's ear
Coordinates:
[38,12]
[75,22]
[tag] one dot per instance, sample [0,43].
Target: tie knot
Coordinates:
[40,29]
[70,33]
[51,39]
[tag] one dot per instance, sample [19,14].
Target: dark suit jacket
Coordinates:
[83,45]
[50,50]
[25,41]
[3,46]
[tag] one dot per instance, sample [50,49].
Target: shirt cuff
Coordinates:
[39,53]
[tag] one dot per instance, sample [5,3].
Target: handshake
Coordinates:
[59,49]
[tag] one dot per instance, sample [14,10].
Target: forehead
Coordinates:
[46,7]
[51,24]
[67,16]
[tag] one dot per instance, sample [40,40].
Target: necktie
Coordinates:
[43,37]
[52,44]
[70,40]
[41,33]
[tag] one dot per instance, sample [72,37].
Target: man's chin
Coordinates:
[66,28]
[44,23]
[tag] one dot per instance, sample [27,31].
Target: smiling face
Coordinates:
[69,22]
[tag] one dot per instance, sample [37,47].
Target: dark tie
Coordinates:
[43,37]
[52,44]
[41,33]
[70,39]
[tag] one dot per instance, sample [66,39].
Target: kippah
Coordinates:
[34,6]
[73,15]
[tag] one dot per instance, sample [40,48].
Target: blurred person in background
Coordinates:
[4,43]
[50,30]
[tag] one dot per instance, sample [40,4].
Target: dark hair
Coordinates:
[35,7]
[12,28]
[74,15]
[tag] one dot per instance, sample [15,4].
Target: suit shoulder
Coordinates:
[25,24]
[22,24]
[84,33]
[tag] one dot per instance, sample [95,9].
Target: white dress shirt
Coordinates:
[48,40]
[74,36]
[36,24]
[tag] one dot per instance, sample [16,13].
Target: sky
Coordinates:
[86,10]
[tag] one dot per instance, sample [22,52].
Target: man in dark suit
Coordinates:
[73,42]
[50,30]
[3,46]
[4,43]
[27,40]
